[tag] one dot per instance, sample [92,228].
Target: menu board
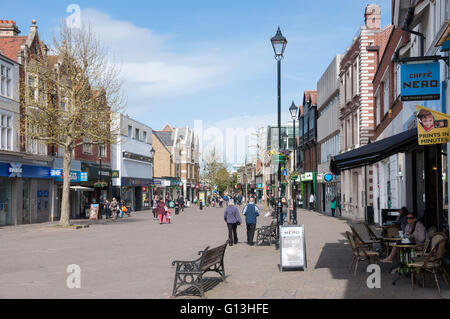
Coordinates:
[292,247]
[94,212]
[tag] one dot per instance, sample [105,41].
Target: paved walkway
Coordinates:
[132,259]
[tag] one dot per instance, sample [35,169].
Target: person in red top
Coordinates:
[161,210]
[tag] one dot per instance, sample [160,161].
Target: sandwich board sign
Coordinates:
[292,248]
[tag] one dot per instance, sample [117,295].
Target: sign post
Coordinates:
[292,248]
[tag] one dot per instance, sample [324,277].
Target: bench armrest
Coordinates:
[187,265]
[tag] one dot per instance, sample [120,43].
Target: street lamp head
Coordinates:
[279,44]
[293,110]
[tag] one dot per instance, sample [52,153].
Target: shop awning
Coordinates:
[82,188]
[374,152]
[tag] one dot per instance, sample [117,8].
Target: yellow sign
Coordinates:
[432,126]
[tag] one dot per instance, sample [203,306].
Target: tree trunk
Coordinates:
[65,204]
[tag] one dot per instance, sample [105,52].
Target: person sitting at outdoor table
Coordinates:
[414,230]
[401,219]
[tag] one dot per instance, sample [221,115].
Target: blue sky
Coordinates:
[210,60]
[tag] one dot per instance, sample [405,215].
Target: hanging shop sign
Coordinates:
[307,177]
[115,174]
[328,178]
[292,247]
[432,126]
[420,81]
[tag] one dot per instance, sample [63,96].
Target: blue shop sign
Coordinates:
[420,81]
[19,170]
[75,176]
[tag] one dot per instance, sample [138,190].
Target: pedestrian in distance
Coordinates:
[160,210]
[154,204]
[312,200]
[107,209]
[233,219]
[333,207]
[115,208]
[168,215]
[284,208]
[251,212]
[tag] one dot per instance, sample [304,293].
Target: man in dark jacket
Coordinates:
[233,219]
[250,212]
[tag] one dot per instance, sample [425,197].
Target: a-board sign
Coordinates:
[292,247]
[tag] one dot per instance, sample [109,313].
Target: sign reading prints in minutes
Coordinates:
[432,126]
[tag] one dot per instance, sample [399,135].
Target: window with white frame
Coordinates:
[386,95]
[6,132]
[378,104]
[33,145]
[6,81]
[355,78]
[87,148]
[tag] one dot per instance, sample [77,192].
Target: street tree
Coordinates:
[222,179]
[70,96]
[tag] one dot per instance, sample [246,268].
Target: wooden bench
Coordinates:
[190,273]
[266,233]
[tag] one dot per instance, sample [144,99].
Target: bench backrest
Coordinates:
[213,256]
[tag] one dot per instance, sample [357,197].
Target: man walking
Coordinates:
[312,200]
[233,219]
[250,212]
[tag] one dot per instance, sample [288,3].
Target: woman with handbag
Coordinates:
[233,219]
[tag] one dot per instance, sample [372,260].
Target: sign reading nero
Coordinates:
[420,81]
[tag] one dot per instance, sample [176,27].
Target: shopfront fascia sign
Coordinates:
[15,170]
[137,157]
[420,81]
[75,176]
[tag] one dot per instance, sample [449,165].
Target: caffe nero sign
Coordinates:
[420,81]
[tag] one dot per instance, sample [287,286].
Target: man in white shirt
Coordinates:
[312,199]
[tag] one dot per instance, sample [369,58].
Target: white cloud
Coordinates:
[150,70]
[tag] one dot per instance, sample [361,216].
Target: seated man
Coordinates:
[414,230]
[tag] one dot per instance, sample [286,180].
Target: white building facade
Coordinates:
[132,158]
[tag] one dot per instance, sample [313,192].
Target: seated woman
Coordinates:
[401,219]
[414,230]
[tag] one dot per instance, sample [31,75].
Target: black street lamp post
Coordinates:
[294,114]
[279,43]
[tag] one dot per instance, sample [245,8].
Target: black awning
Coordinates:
[374,152]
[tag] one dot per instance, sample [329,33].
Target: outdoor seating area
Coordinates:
[412,259]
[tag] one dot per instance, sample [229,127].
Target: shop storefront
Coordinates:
[308,186]
[135,192]
[76,177]
[329,187]
[25,192]
[99,183]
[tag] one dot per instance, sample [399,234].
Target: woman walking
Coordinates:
[233,219]
[333,207]
[161,210]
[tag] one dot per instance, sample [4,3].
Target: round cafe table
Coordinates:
[386,241]
[405,254]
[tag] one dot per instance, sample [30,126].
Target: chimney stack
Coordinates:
[8,28]
[372,17]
